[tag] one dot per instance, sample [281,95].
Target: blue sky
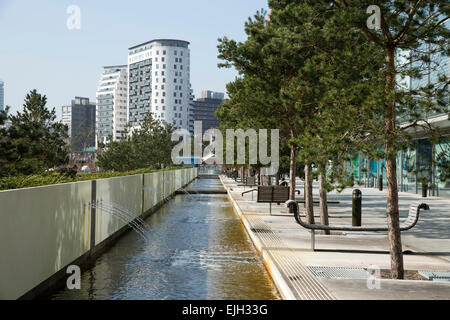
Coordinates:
[37,50]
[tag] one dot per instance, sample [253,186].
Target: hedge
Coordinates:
[19,182]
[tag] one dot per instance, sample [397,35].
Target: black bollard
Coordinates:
[356,208]
[380,183]
[424,189]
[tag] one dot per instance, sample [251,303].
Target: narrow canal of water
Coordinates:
[197,249]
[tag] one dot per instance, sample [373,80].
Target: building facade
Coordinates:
[2,95]
[111,98]
[80,118]
[204,108]
[427,159]
[159,82]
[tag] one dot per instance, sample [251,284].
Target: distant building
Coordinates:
[2,95]
[159,74]
[111,112]
[203,109]
[207,94]
[80,118]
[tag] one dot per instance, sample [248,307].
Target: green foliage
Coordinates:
[34,142]
[150,146]
[307,73]
[49,178]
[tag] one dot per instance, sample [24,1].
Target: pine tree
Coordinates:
[34,142]
[416,29]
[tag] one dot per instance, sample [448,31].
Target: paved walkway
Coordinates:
[337,269]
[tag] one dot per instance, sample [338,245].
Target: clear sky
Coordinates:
[38,51]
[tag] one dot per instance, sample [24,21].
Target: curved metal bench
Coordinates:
[409,223]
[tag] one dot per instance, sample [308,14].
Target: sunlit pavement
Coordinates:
[340,259]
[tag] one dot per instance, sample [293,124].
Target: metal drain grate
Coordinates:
[261,230]
[338,273]
[436,275]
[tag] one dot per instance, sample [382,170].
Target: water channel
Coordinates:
[197,248]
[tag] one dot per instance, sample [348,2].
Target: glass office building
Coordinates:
[426,159]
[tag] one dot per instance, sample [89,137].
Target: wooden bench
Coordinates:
[232,175]
[273,194]
[409,223]
[249,182]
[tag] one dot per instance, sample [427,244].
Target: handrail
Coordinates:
[310,226]
[413,218]
[251,190]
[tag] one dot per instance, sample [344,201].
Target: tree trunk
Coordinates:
[308,194]
[395,240]
[323,198]
[292,173]
[277,179]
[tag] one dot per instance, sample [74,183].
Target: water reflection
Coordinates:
[197,249]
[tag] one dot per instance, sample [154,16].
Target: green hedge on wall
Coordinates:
[18,182]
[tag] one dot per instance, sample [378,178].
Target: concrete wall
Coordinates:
[44,229]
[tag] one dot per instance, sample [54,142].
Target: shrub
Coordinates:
[22,181]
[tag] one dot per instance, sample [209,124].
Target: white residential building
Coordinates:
[159,82]
[111,112]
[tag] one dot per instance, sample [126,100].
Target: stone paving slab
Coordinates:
[285,246]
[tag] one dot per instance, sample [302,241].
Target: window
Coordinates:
[157,52]
[174,94]
[156,73]
[175,108]
[181,53]
[156,59]
[164,94]
[162,59]
[156,87]
[162,88]
[175,80]
[175,52]
[164,107]
[156,108]
[181,67]
[175,66]
[157,66]
[164,80]
[162,114]
[162,100]
[180,60]
[164,52]
[162,73]
[164,66]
